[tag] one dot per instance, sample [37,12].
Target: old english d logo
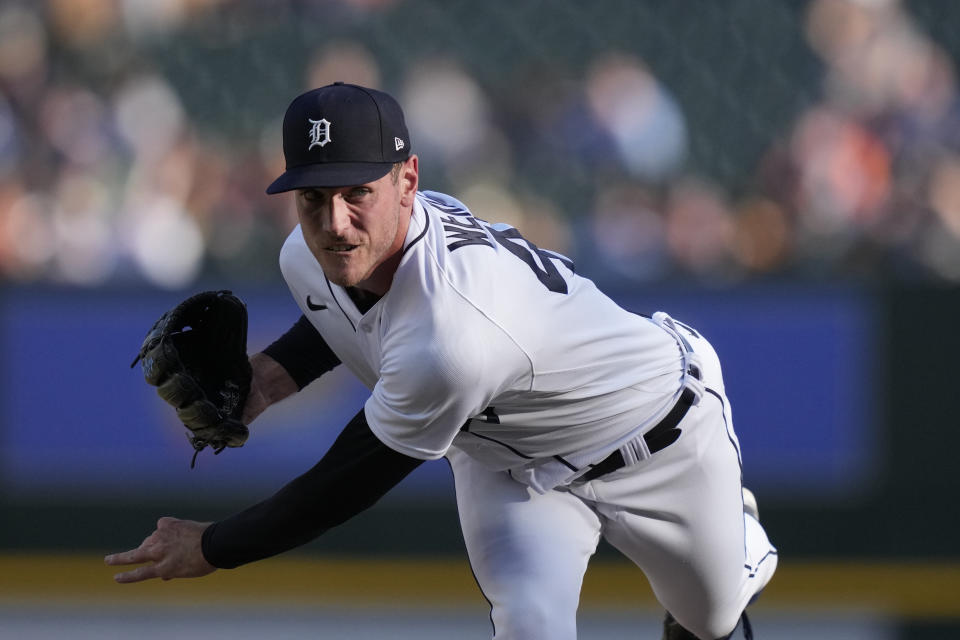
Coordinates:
[319,132]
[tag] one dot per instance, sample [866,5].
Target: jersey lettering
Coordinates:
[548,274]
[463,229]
[466,231]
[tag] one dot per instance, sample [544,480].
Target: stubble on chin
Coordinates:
[340,276]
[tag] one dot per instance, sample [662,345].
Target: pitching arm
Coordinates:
[356,472]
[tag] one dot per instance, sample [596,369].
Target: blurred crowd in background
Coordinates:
[716,142]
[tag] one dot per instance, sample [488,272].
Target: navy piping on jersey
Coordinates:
[473,572]
[723,410]
[426,225]
[688,328]
[753,570]
[494,440]
[405,249]
[334,296]
[565,463]
[736,449]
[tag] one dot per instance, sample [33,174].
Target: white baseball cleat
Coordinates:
[750,504]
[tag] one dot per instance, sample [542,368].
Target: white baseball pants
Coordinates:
[677,515]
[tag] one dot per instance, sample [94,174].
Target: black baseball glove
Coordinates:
[196,356]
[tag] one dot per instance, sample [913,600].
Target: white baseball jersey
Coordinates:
[490,344]
[495,353]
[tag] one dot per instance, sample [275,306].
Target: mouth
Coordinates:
[341,248]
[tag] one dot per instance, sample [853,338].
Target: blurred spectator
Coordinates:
[115,169]
[451,126]
[626,235]
[166,242]
[344,61]
[83,235]
[862,159]
[23,48]
[150,118]
[27,241]
[78,24]
[699,230]
[641,117]
[9,139]
[843,174]
[762,236]
[75,123]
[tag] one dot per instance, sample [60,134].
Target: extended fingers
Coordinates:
[173,550]
[146,572]
[134,556]
[146,552]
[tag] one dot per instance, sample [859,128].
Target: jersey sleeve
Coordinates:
[433,379]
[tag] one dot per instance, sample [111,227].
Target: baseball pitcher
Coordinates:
[564,417]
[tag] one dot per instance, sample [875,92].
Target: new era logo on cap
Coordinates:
[341,135]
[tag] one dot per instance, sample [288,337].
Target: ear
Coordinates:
[409,180]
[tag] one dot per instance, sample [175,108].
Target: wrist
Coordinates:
[270,384]
[207,549]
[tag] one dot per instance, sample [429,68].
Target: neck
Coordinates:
[380,279]
[362,298]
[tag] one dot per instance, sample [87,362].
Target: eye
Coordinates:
[358,193]
[311,195]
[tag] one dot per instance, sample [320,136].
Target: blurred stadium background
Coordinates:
[784,174]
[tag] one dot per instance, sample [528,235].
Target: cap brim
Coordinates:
[330,174]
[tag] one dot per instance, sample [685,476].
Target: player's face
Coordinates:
[356,233]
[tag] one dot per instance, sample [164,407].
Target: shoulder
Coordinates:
[441,202]
[454,225]
[446,342]
[453,363]
[457,248]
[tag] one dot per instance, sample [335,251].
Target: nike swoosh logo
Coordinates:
[313,306]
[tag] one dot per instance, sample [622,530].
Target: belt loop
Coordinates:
[692,372]
[635,450]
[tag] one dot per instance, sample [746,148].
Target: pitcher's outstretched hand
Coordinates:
[172,551]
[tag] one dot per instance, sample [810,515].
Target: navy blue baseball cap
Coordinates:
[341,135]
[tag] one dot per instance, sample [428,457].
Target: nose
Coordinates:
[337,220]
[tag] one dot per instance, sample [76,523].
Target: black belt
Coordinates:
[660,437]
